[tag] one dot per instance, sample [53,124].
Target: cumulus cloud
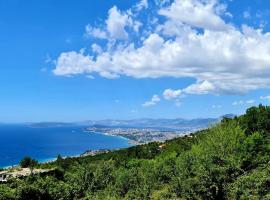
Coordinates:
[143,4]
[196,13]
[96,48]
[117,22]
[203,87]
[95,32]
[193,41]
[72,63]
[154,100]
[171,94]
[116,25]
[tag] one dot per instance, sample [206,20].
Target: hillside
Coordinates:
[227,161]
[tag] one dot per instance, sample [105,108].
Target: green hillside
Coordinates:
[228,161]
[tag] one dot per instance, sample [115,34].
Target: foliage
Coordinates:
[252,185]
[28,162]
[6,193]
[227,161]
[256,119]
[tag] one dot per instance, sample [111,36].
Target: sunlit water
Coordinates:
[17,141]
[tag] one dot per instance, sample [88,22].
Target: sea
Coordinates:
[46,143]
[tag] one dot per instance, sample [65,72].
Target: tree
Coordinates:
[28,162]
[31,192]
[256,119]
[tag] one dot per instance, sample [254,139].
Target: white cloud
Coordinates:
[196,13]
[95,32]
[246,14]
[242,102]
[250,101]
[143,4]
[72,63]
[155,99]
[171,94]
[265,98]
[136,26]
[203,87]
[108,75]
[236,103]
[89,76]
[116,24]
[96,48]
[221,57]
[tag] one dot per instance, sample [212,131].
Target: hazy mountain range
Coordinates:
[173,124]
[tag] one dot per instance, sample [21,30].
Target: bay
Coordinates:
[43,144]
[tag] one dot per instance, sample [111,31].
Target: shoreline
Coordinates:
[131,142]
[52,159]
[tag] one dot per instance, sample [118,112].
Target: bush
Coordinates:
[6,193]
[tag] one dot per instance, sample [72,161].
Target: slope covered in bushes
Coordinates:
[227,161]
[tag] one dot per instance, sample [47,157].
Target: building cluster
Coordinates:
[140,135]
[94,152]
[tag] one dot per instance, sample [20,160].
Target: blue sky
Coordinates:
[78,59]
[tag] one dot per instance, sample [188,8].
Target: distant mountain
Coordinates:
[162,123]
[168,124]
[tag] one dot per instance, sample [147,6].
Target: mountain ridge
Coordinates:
[159,123]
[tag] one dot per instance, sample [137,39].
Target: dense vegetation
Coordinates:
[230,160]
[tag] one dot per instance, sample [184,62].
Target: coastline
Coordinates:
[52,159]
[131,142]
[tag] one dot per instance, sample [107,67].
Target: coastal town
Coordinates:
[140,135]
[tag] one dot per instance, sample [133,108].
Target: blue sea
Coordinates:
[44,144]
